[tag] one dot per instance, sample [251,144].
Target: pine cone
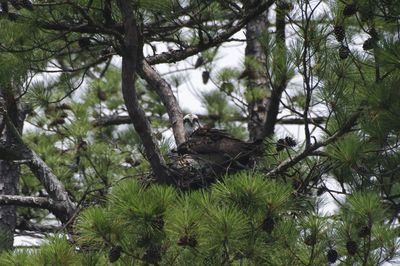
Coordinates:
[152,255]
[280,144]
[199,62]
[101,95]
[332,256]
[289,141]
[84,42]
[192,242]
[339,32]
[351,247]
[321,190]
[369,44]
[344,52]
[373,33]
[268,224]
[183,241]
[64,106]
[187,241]
[57,121]
[349,10]
[205,76]
[364,231]
[114,254]
[310,240]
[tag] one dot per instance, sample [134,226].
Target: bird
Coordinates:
[215,148]
[191,124]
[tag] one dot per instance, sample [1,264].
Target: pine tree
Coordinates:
[114,188]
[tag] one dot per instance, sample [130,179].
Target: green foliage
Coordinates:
[157,6]
[6,238]
[17,258]
[56,252]
[218,223]
[248,218]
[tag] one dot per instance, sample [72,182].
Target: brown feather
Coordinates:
[218,147]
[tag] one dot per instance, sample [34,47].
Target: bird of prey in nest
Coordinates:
[191,124]
[215,148]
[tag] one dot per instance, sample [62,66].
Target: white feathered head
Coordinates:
[191,123]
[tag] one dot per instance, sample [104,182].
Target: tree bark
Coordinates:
[9,171]
[163,89]
[14,149]
[257,77]
[130,58]
[64,209]
[279,85]
[28,201]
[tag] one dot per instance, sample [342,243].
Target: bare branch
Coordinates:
[27,201]
[130,60]
[113,120]
[65,208]
[163,89]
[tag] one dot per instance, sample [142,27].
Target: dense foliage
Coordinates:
[332,67]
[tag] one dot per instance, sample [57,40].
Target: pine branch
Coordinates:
[283,166]
[114,120]
[63,207]
[163,89]
[32,202]
[178,55]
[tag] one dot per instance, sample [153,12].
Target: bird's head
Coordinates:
[191,123]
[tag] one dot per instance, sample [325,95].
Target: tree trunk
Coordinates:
[257,78]
[9,172]
[279,84]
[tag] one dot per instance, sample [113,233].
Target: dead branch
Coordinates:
[27,201]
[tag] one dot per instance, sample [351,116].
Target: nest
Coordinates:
[192,171]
